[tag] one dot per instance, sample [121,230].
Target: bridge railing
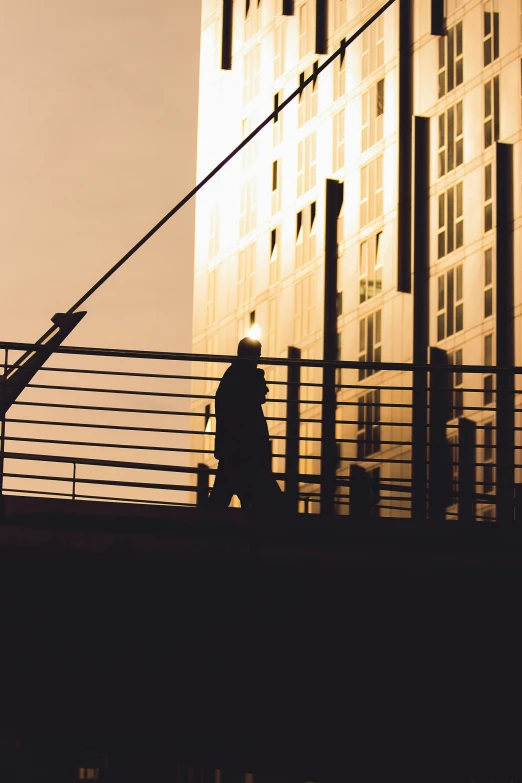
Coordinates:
[370,439]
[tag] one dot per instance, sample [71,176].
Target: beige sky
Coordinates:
[97,142]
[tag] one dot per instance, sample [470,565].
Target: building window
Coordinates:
[306,28]
[488,470]
[488,198]
[276,186]
[451,60]
[339,13]
[369,342]
[306,163]
[279,51]
[368,423]
[252,17]
[373,47]
[450,302]
[457,391]
[491,33]
[371,190]
[246,274]
[339,71]
[249,152]
[488,362]
[304,307]
[451,139]
[273,265]
[491,111]
[338,140]
[251,74]
[488,282]
[370,268]
[305,235]
[272,327]
[372,115]
[278,119]
[213,233]
[248,207]
[212,282]
[451,220]
[308,97]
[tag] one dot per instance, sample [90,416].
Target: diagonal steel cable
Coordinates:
[229,157]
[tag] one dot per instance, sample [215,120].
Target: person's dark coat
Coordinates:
[241,428]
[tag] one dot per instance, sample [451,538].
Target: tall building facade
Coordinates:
[419,121]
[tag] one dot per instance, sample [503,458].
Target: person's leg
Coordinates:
[221,493]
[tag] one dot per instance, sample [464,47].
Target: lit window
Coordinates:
[369,342]
[488,282]
[306,28]
[308,97]
[450,302]
[368,423]
[304,307]
[370,268]
[451,220]
[451,140]
[212,283]
[276,186]
[278,119]
[339,73]
[340,13]
[373,47]
[279,50]
[338,140]
[371,190]
[491,32]
[451,60]
[251,74]
[306,163]
[372,115]
[248,207]
[273,265]
[213,233]
[488,198]
[305,246]
[272,327]
[491,111]
[246,274]
[252,17]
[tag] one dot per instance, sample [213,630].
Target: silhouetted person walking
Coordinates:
[242,443]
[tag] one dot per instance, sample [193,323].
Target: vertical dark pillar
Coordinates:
[334,200]
[321,26]
[405,145]
[226,36]
[292,431]
[288,7]
[505,336]
[467,470]
[440,456]
[421,251]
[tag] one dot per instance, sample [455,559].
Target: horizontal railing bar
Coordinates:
[193,357]
[172,449]
[111,427]
[105,482]
[112,391]
[108,409]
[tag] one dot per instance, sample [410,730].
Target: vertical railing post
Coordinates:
[74,482]
[292,430]
[360,493]
[202,484]
[467,450]
[328,451]
[441,473]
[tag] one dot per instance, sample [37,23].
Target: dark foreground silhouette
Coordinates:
[242,443]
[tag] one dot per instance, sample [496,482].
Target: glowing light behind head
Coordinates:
[254,332]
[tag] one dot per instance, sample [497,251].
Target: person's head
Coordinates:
[249,348]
